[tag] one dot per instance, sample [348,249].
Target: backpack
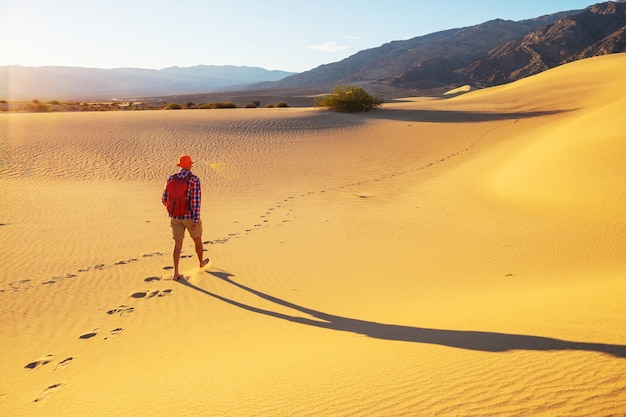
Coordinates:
[176,202]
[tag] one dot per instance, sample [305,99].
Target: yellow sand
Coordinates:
[448,257]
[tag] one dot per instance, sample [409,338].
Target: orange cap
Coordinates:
[185,162]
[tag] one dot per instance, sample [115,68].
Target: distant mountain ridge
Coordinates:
[63,83]
[455,47]
[598,30]
[487,54]
[490,53]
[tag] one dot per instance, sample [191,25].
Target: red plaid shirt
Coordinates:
[194,195]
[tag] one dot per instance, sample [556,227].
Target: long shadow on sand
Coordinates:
[472,340]
[452,116]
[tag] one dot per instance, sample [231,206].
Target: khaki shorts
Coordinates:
[179,226]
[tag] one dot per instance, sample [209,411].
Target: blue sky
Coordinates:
[288,35]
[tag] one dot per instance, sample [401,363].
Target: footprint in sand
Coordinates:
[114,333]
[151,293]
[111,334]
[56,279]
[64,363]
[89,335]
[121,310]
[150,279]
[20,285]
[40,362]
[48,391]
[216,242]
[145,294]
[126,261]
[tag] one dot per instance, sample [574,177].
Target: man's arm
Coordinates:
[164,195]
[196,199]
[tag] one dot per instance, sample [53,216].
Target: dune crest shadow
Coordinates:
[461,339]
[454,116]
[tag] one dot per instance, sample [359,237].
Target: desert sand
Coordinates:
[436,257]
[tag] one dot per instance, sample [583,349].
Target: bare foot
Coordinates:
[204,262]
[177,277]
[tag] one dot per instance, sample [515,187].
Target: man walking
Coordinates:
[182,197]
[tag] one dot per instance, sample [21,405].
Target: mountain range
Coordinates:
[491,53]
[487,54]
[64,83]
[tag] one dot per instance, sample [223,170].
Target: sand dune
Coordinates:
[460,256]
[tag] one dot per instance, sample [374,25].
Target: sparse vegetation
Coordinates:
[35,105]
[349,99]
[218,105]
[39,107]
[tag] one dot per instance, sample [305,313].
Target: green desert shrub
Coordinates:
[173,106]
[349,99]
[39,107]
[225,105]
[282,104]
[218,105]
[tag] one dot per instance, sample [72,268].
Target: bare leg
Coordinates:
[178,246]
[200,251]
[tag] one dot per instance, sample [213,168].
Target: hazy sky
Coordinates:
[288,35]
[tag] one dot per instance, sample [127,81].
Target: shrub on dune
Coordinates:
[218,105]
[348,99]
[39,107]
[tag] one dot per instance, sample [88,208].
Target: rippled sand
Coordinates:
[435,257]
